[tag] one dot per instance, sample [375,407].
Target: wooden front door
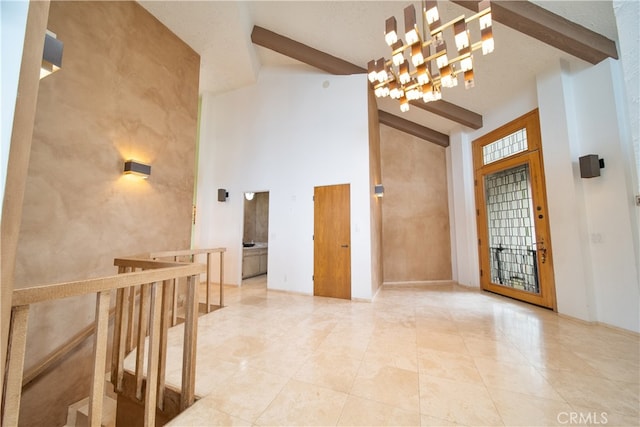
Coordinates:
[332,241]
[513,222]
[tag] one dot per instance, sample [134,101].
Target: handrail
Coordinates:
[32,295]
[185,252]
[150,281]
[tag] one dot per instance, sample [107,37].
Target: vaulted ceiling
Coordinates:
[352,31]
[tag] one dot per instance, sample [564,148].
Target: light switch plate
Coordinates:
[638,200]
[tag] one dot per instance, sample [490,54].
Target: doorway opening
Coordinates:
[255,239]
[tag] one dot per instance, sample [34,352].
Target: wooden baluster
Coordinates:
[15,365]
[131,338]
[164,325]
[142,329]
[221,278]
[190,343]
[208,282]
[174,309]
[96,398]
[151,390]
[118,342]
[117,331]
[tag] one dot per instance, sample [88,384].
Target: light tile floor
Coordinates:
[430,355]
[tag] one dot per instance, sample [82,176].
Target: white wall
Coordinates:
[601,125]
[464,234]
[627,17]
[567,216]
[593,227]
[13,19]
[286,134]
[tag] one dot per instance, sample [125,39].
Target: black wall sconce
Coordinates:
[222,195]
[51,55]
[132,167]
[590,166]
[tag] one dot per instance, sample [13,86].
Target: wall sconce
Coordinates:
[51,55]
[222,195]
[132,167]
[590,166]
[379,190]
[249,195]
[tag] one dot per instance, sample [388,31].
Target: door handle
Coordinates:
[542,250]
[344,246]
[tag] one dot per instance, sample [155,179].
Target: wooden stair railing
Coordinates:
[62,351]
[191,254]
[153,280]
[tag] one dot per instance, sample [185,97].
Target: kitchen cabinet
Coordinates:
[254,262]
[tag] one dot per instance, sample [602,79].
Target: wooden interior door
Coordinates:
[332,241]
[514,238]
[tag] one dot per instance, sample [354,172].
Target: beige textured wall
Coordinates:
[128,88]
[415,213]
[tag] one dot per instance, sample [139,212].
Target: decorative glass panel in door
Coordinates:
[511,229]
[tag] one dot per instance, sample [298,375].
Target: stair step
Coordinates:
[108,413]
[78,413]
[72,412]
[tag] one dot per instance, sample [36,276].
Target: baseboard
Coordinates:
[286,291]
[614,328]
[420,283]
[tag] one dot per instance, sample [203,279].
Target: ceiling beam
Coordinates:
[412,128]
[550,28]
[303,53]
[452,112]
[331,64]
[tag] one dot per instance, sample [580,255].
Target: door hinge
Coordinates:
[194,214]
[313,237]
[313,198]
[475,182]
[478,212]
[313,278]
[479,242]
[480,272]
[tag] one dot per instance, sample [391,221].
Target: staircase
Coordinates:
[78,413]
[147,293]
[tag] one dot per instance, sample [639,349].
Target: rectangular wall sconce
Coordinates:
[51,55]
[131,167]
[379,190]
[222,195]
[590,166]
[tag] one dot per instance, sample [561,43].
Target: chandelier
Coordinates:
[406,80]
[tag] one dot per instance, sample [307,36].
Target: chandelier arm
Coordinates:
[446,25]
[478,15]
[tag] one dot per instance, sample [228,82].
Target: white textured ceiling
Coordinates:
[220,31]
